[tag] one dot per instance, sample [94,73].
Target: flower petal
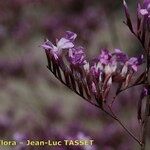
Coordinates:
[47,45]
[70,36]
[143,12]
[64,43]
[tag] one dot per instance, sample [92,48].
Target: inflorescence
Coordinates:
[93,79]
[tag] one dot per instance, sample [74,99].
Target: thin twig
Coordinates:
[122,90]
[125,128]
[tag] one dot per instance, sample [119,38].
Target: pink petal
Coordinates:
[143,12]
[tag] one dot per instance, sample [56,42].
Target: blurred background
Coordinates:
[33,104]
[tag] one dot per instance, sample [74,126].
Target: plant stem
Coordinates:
[145,123]
[147,109]
[123,126]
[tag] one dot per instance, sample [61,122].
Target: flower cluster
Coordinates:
[143,23]
[64,43]
[90,79]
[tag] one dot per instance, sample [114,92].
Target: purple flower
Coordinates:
[64,43]
[131,64]
[105,56]
[143,23]
[134,62]
[120,56]
[145,10]
[145,92]
[77,56]
[70,36]
[97,69]
[111,67]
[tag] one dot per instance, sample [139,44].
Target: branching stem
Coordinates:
[113,116]
[147,109]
